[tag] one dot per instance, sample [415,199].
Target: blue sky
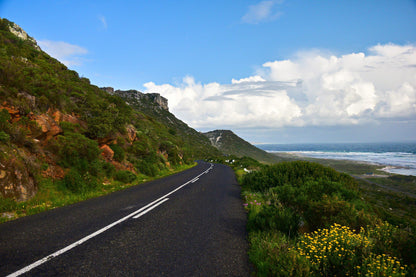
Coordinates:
[272,71]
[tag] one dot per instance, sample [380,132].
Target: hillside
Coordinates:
[231,144]
[156,106]
[57,128]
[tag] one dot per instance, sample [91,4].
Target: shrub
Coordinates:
[100,169]
[109,169]
[78,183]
[75,150]
[270,254]
[119,153]
[147,168]
[125,176]
[282,219]
[4,137]
[295,173]
[4,119]
[338,251]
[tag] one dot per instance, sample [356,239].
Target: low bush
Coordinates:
[76,182]
[269,252]
[76,150]
[4,137]
[147,168]
[125,176]
[119,153]
[338,251]
[308,220]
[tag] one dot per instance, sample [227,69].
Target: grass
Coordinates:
[52,194]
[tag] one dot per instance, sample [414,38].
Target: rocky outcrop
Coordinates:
[109,90]
[215,137]
[142,98]
[107,152]
[20,33]
[49,123]
[16,180]
[48,126]
[60,117]
[161,101]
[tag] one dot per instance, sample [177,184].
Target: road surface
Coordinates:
[188,224]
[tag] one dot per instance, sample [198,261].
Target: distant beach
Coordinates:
[397,158]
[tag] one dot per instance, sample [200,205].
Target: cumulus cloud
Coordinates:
[68,54]
[310,90]
[261,12]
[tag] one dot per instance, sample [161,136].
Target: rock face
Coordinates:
[48,125]
[15,180]
[158,99]
[109,90]
[20,33]
[153,98]
[215,137]
[107,152]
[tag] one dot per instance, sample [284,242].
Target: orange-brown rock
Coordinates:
[107,152]
[14,112]
[58,116]
[48,126]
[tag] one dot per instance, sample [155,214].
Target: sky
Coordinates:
[284,71]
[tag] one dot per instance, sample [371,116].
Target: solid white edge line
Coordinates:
[151,208]
[96,233]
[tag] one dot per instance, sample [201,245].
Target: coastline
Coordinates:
[373,175]
[383,168]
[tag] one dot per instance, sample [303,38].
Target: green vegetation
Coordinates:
[70,140]
[305,219]
[394,196]
[194,144]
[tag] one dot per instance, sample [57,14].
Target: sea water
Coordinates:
[398,158]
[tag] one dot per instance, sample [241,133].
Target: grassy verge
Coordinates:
[305,219]
[394,196]
[52,194]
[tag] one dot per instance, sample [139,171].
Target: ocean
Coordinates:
[398,158]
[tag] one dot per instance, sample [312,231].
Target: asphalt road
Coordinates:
[192,227]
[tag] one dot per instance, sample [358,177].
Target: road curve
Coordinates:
[188,224]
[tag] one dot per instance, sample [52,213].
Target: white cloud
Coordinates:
[68,54]
[261,12]
[311,90]
[256,78]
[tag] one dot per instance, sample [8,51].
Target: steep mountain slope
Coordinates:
[231,144]
[156,106]
[55,125]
